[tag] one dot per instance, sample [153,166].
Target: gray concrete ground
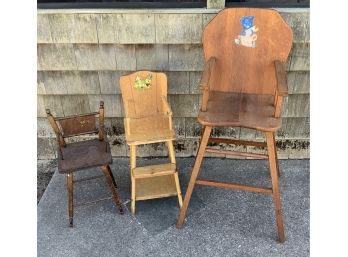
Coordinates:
[219,223]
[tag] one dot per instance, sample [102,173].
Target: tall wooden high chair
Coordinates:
[243,83]
[148,119]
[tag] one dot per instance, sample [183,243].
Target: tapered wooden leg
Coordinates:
[176,176]
[70,185]
[276,155]
[178,190]
[276,196]
[195,171]
[133,165]
[113,187]
[171,151]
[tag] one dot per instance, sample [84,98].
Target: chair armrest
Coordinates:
[282,86]
[208,68]
[166,106]
[205,81]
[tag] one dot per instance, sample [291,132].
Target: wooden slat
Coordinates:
[154,170]
[236,186]
[236,142]
[236,153]
[155,187]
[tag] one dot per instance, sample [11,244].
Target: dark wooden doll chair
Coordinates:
[77,156]
[243,84]
[148,120]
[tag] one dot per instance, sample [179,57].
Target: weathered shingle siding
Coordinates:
[82,55]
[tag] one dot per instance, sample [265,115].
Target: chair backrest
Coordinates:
[246,42]
[77,124]
[147,101]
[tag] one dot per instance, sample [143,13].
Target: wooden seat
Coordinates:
[78,156]
[148,119]
[157,130]
[252,111]
[243,83]
[83,155]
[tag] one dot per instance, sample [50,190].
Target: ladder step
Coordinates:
[154,170]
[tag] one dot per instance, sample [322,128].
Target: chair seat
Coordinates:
[156,135]
[84,154]
[253,111]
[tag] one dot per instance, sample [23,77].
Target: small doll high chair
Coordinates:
[148,119]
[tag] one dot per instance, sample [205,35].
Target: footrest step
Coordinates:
[154,170]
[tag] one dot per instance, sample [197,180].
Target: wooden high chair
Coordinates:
[78,156]
[243,83]
[148,119]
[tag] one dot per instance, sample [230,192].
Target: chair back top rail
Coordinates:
[76,125]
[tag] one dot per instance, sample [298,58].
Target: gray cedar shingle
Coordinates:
[54,103]
[179,127]
[95,57]
[294,127]
[125,57]
[152,57]
[298,82]
[184,105]
[178,28]
[56,57]
[135,28]
[69,82]
[178,82]
[186,58]
[106,28]
[296,106]
[299,23]
[41,106]
[299,57]
[195,78]
[62,27]
[75,104]
[110,81]
[85,28]
[43,29]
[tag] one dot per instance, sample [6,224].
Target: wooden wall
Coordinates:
[82,54]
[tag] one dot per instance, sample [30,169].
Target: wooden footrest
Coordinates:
[155,187]
[154,170]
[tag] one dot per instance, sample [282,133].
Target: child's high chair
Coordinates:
[148,119]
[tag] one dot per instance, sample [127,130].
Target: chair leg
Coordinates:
[113,187]
[195,171]
[276,196]
[276,155]
[70,185]
[133,165]
[178,190]
[171,151]
[176,176]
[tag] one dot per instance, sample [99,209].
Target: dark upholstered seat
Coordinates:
[84,154]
